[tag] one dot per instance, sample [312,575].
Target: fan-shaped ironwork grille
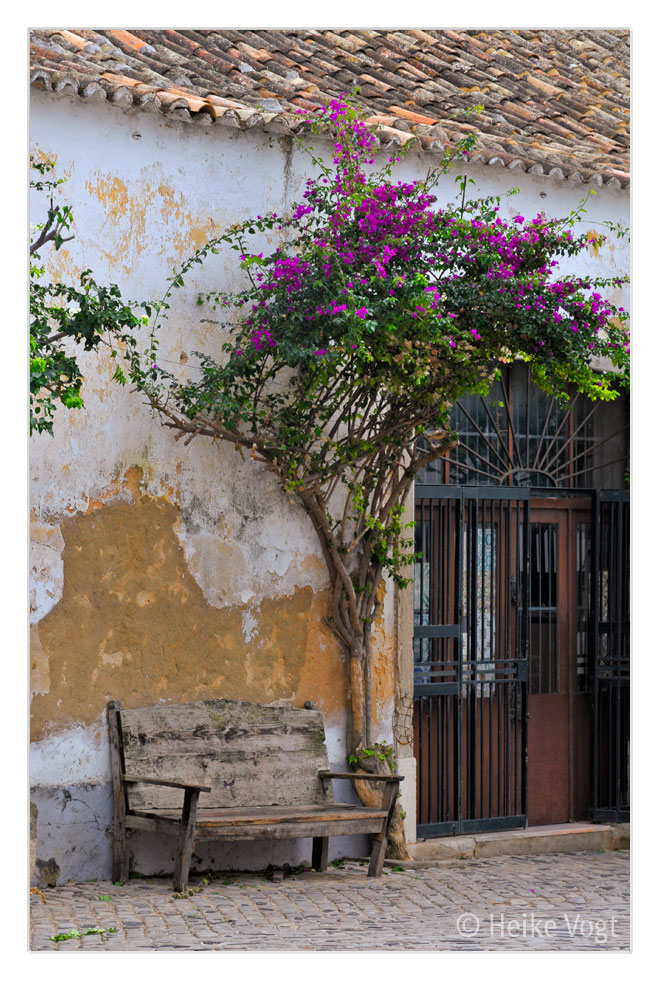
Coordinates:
[519,436]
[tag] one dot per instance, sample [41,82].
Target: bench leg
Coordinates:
[320,854]
[119,855]
[186,843]
[378,850]
[119,841]
[379,846]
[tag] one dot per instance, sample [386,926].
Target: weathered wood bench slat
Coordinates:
[232,783]
[247,754]
[376,777]
[275,815]
[166,783]
[261,770]
[262,832]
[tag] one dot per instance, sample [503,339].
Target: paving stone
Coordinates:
[531,902]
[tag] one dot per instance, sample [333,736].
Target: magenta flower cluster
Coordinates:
[367,254]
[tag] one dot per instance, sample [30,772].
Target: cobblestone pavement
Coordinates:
[544,902]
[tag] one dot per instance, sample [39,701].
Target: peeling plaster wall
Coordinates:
[165,572]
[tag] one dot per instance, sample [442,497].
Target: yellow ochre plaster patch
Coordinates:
[129,220]
[132,623]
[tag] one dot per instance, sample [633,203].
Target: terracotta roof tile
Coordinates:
[556,101]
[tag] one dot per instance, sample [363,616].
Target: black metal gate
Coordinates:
[470,653]
[610,656]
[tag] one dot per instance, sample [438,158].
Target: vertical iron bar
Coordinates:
[511,684]
[503,634]
[495,594]
[507,699]
[473,655]
[618,645]
[524,651]
[479,691]
[593,648]
[611,637]
[458,722]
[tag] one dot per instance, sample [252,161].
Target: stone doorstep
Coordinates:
[542,840]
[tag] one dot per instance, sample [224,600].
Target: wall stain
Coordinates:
[594,247]
[126,212]
[125,219]
[48,872]
[185,235]
[133,624]
[39,667]
[383,685]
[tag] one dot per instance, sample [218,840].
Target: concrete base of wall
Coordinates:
[548,839]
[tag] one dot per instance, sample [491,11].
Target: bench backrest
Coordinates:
[250,755]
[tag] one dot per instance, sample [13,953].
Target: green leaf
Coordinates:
[71,935]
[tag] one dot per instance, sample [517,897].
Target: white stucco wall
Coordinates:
[146,190]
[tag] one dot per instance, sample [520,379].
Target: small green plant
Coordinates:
[105,899]
[188,893]
[338,863]
[71,935]
[76,934]
[380,751]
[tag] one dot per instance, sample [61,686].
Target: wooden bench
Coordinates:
[232,771]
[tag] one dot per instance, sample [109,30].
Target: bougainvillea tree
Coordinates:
[338,362]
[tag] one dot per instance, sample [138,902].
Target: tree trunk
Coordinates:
[371,795]
[347,609]
[358,722]
[360,737]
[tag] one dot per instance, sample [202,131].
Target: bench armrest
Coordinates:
[380,777]
[166,783]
